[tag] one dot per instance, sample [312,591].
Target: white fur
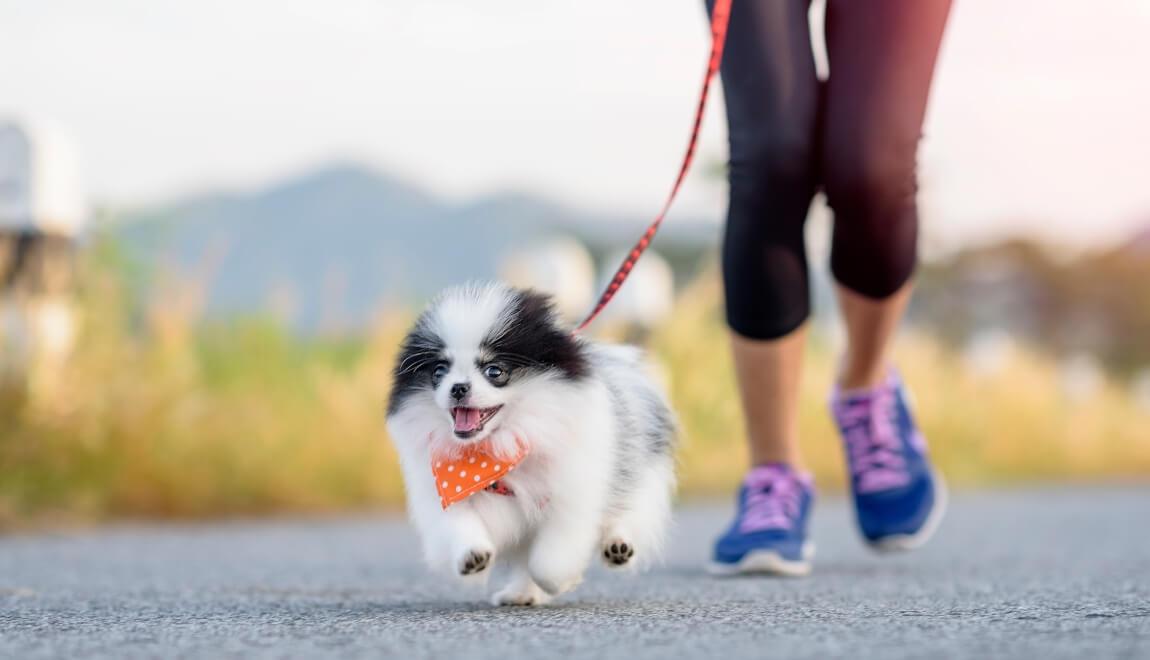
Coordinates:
[568,504]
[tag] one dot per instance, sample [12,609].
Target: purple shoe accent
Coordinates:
[899,498]
[868,420]
[918,442]
[774,497]
[769,532]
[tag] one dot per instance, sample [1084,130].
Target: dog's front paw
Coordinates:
[617,552]
[555,583]
[474,562]
[529,595]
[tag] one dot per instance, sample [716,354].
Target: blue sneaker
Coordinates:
[899,499]
[769,534]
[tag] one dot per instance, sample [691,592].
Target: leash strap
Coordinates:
[720,19]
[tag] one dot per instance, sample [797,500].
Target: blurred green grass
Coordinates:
[160,414]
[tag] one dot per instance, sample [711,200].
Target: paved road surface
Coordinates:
[1047,574]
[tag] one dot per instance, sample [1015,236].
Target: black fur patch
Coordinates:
[533,337]
[420,351]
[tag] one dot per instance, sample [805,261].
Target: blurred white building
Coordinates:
[40,186]
[646,298]
[559,266]
[564,268]
[42,212]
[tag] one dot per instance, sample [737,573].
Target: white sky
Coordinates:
[1039,121]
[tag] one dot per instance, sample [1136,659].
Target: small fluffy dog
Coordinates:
[489,380]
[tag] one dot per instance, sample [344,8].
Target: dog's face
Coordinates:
[473,355]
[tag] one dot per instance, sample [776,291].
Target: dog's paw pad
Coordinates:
[518,599]
[475,561]
[618,553]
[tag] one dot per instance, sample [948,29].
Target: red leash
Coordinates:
[720,18]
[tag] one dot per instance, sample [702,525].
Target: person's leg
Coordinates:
[870,326]
[771,92]
[772,96]
[768,377]
[882,55]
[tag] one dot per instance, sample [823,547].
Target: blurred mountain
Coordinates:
[341,242]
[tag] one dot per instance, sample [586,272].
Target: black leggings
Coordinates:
[855,135]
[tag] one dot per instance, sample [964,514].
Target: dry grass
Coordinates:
[158,416]
[1014,425]
[169,421]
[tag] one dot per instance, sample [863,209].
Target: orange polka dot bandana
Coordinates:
[459,477]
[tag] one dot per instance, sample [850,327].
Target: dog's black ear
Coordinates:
[534,330]
[420,352]
[538,307]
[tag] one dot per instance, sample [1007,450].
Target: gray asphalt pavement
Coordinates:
[1048,574]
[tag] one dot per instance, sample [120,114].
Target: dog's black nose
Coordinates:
[460,390]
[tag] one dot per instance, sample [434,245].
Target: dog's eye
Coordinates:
[439,373]
[496,374]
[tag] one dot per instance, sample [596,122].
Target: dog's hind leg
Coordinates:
[634,530]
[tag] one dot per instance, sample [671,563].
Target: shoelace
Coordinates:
[873,443]
[773,502]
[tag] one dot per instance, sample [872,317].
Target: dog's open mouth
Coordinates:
[470,421]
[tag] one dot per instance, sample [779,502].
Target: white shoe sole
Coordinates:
[904,542]
[766,562]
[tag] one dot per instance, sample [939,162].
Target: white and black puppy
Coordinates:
[491,368]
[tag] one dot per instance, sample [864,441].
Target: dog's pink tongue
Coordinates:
[466,419]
